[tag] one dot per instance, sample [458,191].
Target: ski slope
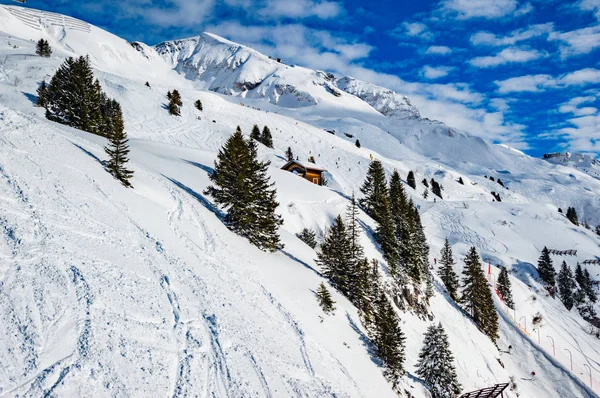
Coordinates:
[106,291]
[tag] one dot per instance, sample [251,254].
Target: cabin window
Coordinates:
[316,181]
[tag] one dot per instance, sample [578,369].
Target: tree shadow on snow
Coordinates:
[30,97]
[203,201]
[201,166]
[96,158]
[296,259]
[366,342]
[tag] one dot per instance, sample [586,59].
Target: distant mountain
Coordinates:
[579,161]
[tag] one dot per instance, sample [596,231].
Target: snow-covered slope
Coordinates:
[106,291]
[579,161]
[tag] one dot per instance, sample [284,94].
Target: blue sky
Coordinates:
[524,73]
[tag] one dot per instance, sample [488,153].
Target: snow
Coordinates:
[109,291]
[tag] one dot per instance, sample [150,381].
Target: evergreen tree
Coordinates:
[446,271]
[398,204]
[357,143]
[425,182]
[589,287]
[242,187]
[266,137]
[425,194]
[436,364]
[477,297]
[597,230]
[255,133]
[175,103]
[289,154]
[375,191]
[334,256]
[74,98]
[42,92]
[410,180]
[43,48]
[388,339]
[436,188]
[198,105]
[460,181]
[386,237]
[420,249]
[148,85]
[579,278]
[566,286]
[354,246]
[504,288]
[308,236]
[546,269]
[118,149]
[325,300]
[572,215]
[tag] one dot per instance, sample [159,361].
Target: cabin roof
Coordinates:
[291,162]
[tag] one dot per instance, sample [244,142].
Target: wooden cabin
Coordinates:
[311,173]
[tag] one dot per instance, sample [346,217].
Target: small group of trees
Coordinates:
[343,263]
[76,99]
[198,105]
[573,290]
[264,138]
[572,215]
[308,236]
[399,229]
[175,103]
[43,48]
[242,187]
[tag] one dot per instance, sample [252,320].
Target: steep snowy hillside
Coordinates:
[106,291]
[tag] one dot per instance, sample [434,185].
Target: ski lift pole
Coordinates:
[553,349]
[590,371]
[570,356]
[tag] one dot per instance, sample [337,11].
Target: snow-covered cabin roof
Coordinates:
[291,162]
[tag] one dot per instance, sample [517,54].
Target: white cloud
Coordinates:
[536,83]
[583,135]
[490,9]
[432,73]
[533,31]
[579,41]
[590,5]
[301,9]
[508,55]
[528,83]
[438,50]
[412,29]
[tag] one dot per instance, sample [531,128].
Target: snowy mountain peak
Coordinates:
[385,101]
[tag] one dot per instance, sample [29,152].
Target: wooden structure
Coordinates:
[563,252]
[591,262]
[488,392]
[311,173]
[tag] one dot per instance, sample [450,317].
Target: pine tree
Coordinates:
[242,187]
[388,338]
[353,230]
[410,180]
[460,181]
[375,191]
[566,286]
[425,182]
[572,215]
[334,256]
[589,287]
[446,271]
[597,230]
[546,269]
[42,92]
[425,194]
[266,137]
[198,105]
[504,288]
[436,364]
[308,236]
[357,143]
[43,48]
[175,103]
[74,98]
[420,248]
[386,237]
[118,149]
[399,210]
[477,297]
[325,300]
[255,133]
[289,154]
[436,188]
